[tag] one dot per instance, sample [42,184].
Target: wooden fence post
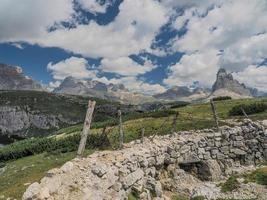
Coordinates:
[120,129]
[215,116]
[244,113]
[86,127]
[142,135]
[174,122]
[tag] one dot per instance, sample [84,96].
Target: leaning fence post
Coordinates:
[142,135]
[215,116]
[174,122]
[244,113]
[120,128]
[86,127]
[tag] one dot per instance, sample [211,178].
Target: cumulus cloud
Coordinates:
[200,67]
[73,66]
[253,76]
[132,31]
[27,19]
[125,66]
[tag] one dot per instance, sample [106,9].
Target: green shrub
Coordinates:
[198,198]
[222,98]
[52,145]
[179,197]
[259,176]
[131,197]
[230,185]
[248,108]
[179,104]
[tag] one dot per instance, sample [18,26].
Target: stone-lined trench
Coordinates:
[164,163]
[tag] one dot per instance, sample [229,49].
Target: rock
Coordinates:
[32,192]
[67,167]
[99,169]
[214,170]
[132,178]
[238,152]
[154,187]
[44,194]
[53,184]
[264,123]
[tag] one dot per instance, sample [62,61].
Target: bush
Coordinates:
[259,176]
[179,104]
[249,109]
[222,98]
[179,197]
[230,185]
[33,146]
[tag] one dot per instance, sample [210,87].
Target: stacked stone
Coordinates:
[146,169]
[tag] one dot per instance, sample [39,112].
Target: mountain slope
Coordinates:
[34,113]
[12,78]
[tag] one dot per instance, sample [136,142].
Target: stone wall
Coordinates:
[160,163]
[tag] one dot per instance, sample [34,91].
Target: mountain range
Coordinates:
[12,78]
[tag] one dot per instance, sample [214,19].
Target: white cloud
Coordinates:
[27,19]
[73,66]
[198,66]
[95,6]
[132,31]
[253,76]
[125,66]
[52,85]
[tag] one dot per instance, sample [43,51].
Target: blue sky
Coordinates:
[148,45]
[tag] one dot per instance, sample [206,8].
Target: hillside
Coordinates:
[194,116]
[35,113]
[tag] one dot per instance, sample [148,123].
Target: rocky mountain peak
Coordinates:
[225,82]
[12,78]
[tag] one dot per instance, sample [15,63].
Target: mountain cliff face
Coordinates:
[226,85]
[115,92]
[12,78]
[183,93]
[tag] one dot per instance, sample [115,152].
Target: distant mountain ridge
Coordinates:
[116,92]
[183,93]
[12,78]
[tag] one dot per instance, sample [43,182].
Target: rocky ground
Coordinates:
[193,163]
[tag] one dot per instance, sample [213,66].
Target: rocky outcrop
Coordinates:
[22,122]
[226,85]
[91,88]
[12,78]
[159,164]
